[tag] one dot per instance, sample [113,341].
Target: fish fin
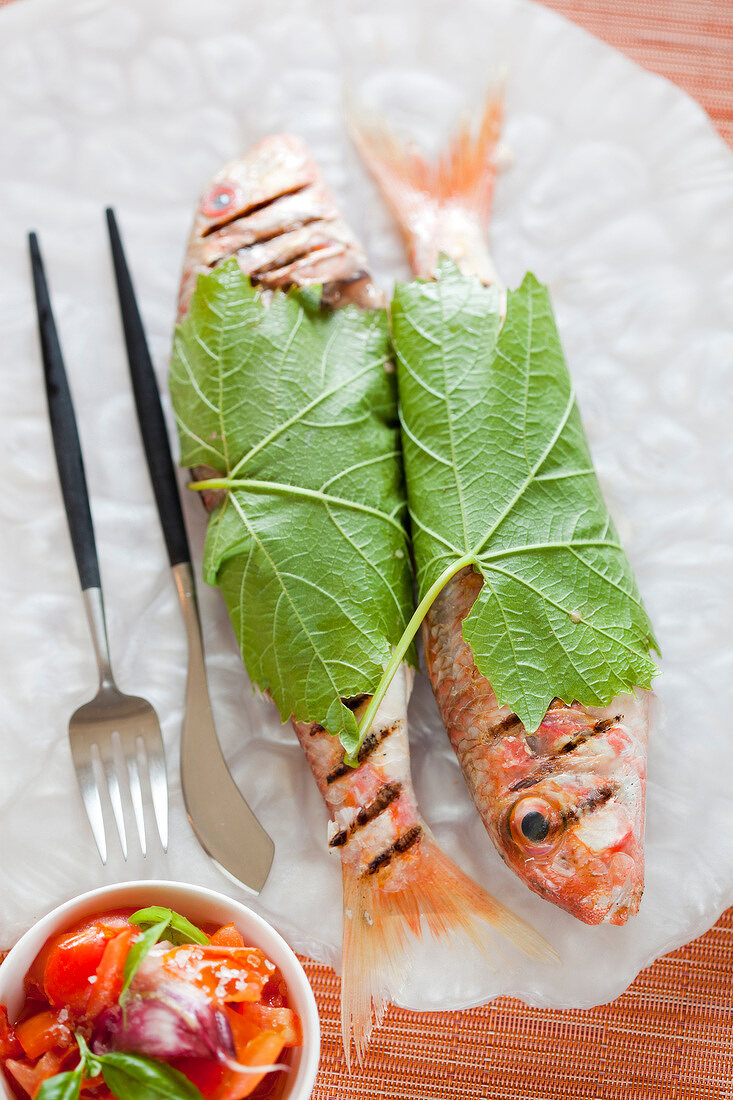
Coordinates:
[384,912]
[440,207]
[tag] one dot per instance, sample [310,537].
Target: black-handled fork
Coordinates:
[111,735]
[222,820]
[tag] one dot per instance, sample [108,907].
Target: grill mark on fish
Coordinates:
[287,271]
[338,772]
[583,735]
[281,230]
[384,798]
[357,277]
[309,250]
[402,844]
[355,701]
[555,763]
[541,772]
[316,728]
[408,839]
[374,740]
[253,207]
[505,725]
[604,724]
[593,802]
[370,744]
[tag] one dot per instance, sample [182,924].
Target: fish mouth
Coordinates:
[607,904]
[594,893]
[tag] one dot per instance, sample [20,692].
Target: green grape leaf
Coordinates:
[499,476]
[294,407]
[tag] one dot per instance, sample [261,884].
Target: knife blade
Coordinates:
[223,822]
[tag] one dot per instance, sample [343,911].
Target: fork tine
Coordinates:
[137,799]
[109,767]
[90,797]
[158,785]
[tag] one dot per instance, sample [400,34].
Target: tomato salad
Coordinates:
[132,1004]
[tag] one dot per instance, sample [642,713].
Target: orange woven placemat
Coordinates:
[669,1036]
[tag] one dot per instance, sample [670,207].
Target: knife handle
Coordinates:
[69,461]
[149,409]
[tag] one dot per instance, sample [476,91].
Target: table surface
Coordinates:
[669,1036]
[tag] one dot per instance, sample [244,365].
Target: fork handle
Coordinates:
[94,607]
[66,444]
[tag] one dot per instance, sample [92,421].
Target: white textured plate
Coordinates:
[620,196]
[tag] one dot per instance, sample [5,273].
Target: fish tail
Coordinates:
[385,911]
[443,206]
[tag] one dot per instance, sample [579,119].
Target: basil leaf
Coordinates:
[179,930]
[500,477]
[63,1086]
[138,951]
[136,1077]
[295,408]
[90,1064]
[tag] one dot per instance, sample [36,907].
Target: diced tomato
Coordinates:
[108,923]
[31,1077]
[43,1032]
[227,936]
[69,969]
[70,960]
[281,1021]
[275,992]
[206,1074]
[226,973]
[9,1045]
[80,973]
[110,973]
[261,1050]
[94,1087]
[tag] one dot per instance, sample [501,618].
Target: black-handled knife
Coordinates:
[149,410]
[221,819]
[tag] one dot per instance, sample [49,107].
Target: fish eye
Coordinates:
[218,200]
[534,824]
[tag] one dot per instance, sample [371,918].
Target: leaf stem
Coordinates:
[256,486]
[403,645]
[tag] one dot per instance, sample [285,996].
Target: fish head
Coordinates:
[276,166]
[272,210]
[572,824]
[235,207]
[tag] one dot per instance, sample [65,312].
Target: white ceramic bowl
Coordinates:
[200,906]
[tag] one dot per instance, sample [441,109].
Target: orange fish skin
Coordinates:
[585,784]
[583,772]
